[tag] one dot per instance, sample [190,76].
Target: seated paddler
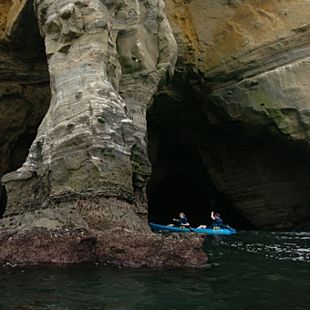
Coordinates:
[217,222]
[182,221]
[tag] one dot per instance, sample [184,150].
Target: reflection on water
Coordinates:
[252,270]
[290,246]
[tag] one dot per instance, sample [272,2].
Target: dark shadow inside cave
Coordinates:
[186,186]
[180,180]
[20,149]
[27,93]
[19,152]
[3,200]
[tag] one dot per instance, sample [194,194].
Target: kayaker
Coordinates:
[182,220]
[217,221]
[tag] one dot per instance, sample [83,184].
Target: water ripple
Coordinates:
[280,246]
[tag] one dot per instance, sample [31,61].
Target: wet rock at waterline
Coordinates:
[73,234]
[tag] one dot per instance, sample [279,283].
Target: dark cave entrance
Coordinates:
[19,150]
[180,181]
[186,186]
[24,106]
[3,200]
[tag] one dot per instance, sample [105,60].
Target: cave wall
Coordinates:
[24,85]
[10,13]
[251,65]
[178,134]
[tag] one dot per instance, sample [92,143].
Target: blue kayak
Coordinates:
[208,231]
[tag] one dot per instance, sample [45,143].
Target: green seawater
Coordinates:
[252,270]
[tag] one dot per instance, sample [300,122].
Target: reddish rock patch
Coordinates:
[115,247]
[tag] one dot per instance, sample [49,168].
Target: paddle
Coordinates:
[228,227]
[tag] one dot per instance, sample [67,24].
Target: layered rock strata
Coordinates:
[251,60]
[240,94]
[81,190]
[92,140]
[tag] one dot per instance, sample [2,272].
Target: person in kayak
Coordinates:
[217,221]
[181,221]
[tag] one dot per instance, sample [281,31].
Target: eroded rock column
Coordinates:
[80,195]
[92,141]
[84,142]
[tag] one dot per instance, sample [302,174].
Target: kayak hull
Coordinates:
[208,231]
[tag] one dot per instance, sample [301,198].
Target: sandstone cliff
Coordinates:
[82,185]
[225,94]
[250,72]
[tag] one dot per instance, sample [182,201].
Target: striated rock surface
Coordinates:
[228,124]
[80,194]
[92,140]
[251,79]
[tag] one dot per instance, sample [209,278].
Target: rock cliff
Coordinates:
[82,185]
[92,139]
[214,102]
[248,64]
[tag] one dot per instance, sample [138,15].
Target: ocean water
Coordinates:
[251,270]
